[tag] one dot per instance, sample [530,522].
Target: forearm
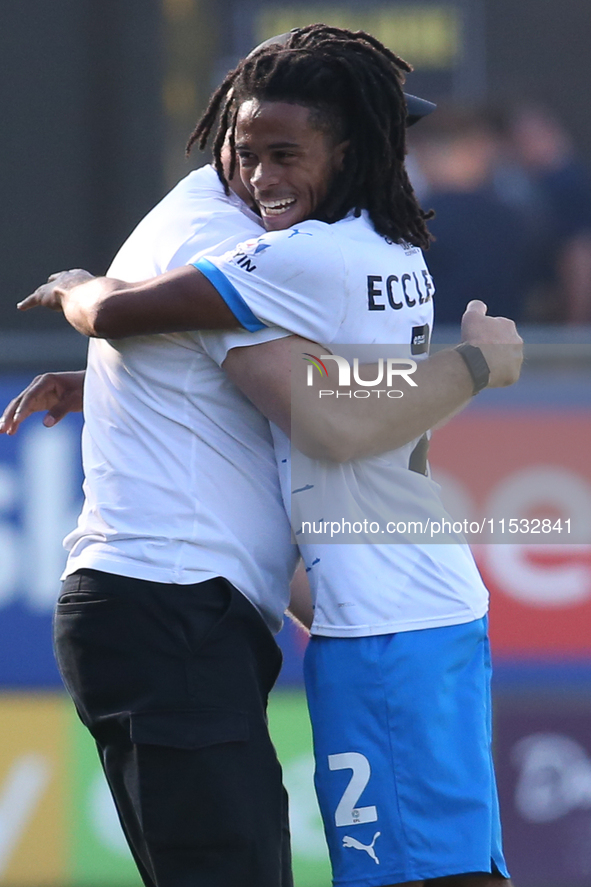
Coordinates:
[443,385]
[350,426]
[177,301]
[366,422]
[343,428]
[102,307]
[83,305]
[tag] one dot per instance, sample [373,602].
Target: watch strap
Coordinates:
[476,363]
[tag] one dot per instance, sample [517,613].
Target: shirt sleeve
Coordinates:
[293,279]
[218,344]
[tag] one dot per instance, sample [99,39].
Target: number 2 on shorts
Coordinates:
[347,813]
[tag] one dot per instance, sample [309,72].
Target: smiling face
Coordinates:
[287,163]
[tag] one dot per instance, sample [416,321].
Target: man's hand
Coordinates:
[59,393]
[499,341]
[106,308]
[50,294]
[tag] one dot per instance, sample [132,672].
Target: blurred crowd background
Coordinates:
[97,101]
[512,201]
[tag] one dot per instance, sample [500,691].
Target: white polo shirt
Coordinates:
[345,284]
[181,482]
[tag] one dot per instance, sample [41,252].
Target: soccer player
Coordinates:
[397,673]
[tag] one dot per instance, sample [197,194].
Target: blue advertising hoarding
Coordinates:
[40,496]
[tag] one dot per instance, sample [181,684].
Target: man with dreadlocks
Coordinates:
[397,671]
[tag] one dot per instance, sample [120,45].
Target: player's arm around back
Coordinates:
[341,429]
[106,308]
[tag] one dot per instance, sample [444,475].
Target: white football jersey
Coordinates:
[343,284]
[181,482]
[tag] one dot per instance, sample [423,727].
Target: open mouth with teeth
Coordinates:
[276,207]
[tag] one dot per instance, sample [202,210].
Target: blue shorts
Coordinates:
[404,772]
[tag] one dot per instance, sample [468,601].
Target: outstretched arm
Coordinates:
[346,428]
[106,308]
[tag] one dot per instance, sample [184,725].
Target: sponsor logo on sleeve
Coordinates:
[243,255]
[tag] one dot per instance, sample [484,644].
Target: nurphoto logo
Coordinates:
[382,372]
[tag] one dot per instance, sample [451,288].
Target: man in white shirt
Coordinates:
[177,578]
[301,167]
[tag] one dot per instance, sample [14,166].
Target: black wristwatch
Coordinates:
[476,363]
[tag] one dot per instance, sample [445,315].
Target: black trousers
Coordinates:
[172,681]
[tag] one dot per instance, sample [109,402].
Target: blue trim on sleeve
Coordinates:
[230,295]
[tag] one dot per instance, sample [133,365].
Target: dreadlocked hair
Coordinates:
[353,86]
